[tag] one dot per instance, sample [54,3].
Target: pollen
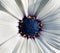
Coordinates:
[28,36]
[20,32]
[24,35]
[29,17]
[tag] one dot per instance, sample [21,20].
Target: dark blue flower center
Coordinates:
[30,26]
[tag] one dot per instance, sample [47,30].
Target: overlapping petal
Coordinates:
[49,8]
[45,48]
[51,39]
[8,26]
[33,6]
[12,8]
[9,45]
[52,25]
[23,5]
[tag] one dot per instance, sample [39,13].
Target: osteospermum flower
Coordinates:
[29,26]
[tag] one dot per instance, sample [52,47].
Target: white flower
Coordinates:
[48,11]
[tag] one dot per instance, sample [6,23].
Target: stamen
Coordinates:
[28,36]
[34,37]
[20,32]
[25,35]
[29,17]
[41,25]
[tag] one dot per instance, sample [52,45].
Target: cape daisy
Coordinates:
[30,26]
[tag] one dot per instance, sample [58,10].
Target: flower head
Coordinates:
[30,26]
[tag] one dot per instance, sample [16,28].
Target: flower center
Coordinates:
[30,27]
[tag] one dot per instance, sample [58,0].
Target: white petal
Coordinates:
[8,26]
[53,26]
[33,6]
[50,35]
[22,47]
[20,5]
[13,9]
[6,19]
[38,45]
[44,46]
[54,44]
[52,18]
[25,5]
[6,32]
[41,6]
[50,7]
[56,32]
[51,39]
[34,48]
[29,46]
[9,46]
[17,45]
